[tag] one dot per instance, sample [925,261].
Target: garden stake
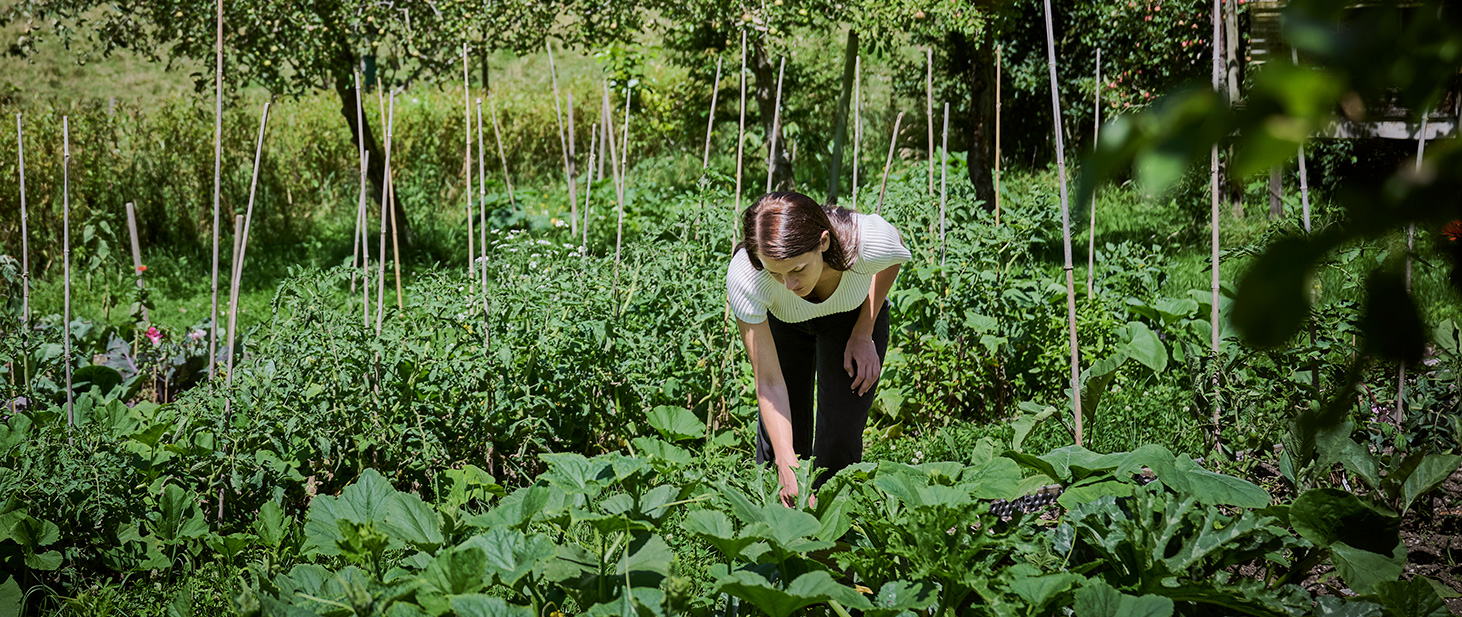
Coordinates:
[857,121]
[136,254]
[740,143]
[589,189]
[887,165]
[705,158]
[776,123]
[482,210]
[1410,240]
[568,173]
[24,251]
[233,309]
[365,245]
[467,160]
[385,199]
[604,127]
[217,191]
[395,246]
[497,135]
[711,119]
[361,153]
[1213,173]
[943,181]
[66,269]
[1096,128]
[997,135]
[623,184]
[929,112]
[1065,227]
[1294,57]
[573,171]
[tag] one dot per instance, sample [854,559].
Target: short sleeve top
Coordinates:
[752,293]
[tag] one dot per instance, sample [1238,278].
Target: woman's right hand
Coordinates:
[787,477]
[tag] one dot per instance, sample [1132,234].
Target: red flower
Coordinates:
[1453,231]
[154,335]
[141,269]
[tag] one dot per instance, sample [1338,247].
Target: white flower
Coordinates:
[569,246]
[545,242]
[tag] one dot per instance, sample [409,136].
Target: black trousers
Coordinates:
[812,352]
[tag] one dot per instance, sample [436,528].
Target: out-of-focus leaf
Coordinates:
[1391,321]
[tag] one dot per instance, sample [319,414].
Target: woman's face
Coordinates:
[800,273]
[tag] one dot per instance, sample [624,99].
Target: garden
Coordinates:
[370,309]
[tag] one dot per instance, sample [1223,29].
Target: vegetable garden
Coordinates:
[469,353]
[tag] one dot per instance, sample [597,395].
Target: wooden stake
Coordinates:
[360,153]
[24,247]
[233,309]
[1294,57]
[395,246]
[997,135]
[623,184]
[943,181]
[711,119]
[482,210]
[497,135]
[1096,129]
[614,169]
[242,224]
[568,172]
[589,189]
[385,200]
[1410,244]
[66,266]
[857,121]
[1217,436]
[573,171]
[467,160]
[1065,227]
[929,113]
[888,165]
[776,125]
[217,190]
[740,143]
[136,254]
[365,245]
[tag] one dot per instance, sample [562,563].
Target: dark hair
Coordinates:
[785,225]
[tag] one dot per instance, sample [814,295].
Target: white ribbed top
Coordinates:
[753,292]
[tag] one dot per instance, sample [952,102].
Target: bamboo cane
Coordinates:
[1096,128]
[589,187]
[605,127]
[482,210]
[1294,58]
[467,160]
[997,135]
[943,182]
[1065,227]
[711,119]
[1410,242]
[365,245]
[740,143]
[502,156]
[888,164]
[857,121]
[24,250]
[562,141]
[614,170]
[573,171]
[66,267]
[217,190]
[929,112]
[242,225]
[395,244]
[233,308]
[623,183]
[136,254]
[385,199]
[776,125]
[1214,257]
[360,154]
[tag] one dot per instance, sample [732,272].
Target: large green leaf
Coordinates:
[996,478]
[179,518]
[1429,474]
[365,502]
[1038,591]
[1326,516]
[1186,477]
[808,589]
[676,423]
[1098,599]
[1027,422]
[478,605]
[1146,348]
[714,527]
[660,450]
[510,555]
[899,597]
[456,571]
[1274,296]
[518,508]
[1413,598]
[1362,569]
[11,598]
[409,519]
[271,525]
[1330,606]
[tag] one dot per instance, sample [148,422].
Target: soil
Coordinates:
[1433,536]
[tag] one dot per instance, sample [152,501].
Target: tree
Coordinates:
[294,47]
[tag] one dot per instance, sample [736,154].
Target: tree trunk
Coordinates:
[376,172]
[973,64]
[835,166]
[765,71]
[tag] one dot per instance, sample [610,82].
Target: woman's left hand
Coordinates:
[861,361]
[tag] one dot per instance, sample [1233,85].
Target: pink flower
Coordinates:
[154,335]
[197,335]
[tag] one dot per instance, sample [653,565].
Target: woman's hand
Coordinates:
[861,361]
[787,477]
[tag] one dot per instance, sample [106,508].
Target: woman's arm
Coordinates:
[771,399]
[861,355]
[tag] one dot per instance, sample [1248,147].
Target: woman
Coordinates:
[808,286]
